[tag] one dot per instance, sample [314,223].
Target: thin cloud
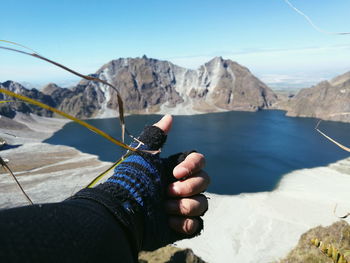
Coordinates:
[259,51]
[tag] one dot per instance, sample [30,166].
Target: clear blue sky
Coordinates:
[267,36]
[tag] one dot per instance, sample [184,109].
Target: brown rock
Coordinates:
[328,100]
[9,109]
[149,85]
[337,235]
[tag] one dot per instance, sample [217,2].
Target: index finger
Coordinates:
[193,163]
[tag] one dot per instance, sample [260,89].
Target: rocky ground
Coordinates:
[46,172]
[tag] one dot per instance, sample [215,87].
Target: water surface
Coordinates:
[245,151]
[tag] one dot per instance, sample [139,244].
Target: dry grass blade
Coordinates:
[83,123]
[329,250]
[6,168]
[101,175]
[330,139]
[20,45]
[36,55]
[6,101]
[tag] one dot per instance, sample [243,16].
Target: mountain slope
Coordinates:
[328,100]
[9,109]
[153,86]
[150,85]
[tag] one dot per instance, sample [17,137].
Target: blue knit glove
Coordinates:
[139,184]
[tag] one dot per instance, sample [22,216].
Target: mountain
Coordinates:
[154,86]
[150,86]
[325,100]
[9,109]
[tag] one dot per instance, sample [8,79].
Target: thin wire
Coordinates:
[313,24]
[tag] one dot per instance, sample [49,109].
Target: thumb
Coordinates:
[155,136]
[165,123]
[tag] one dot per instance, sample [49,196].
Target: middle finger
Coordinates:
[190,186]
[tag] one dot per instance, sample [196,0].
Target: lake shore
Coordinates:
[48,173]
[259,227]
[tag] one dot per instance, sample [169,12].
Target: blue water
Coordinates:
[245,152]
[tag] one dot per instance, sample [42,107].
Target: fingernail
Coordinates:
[190,226]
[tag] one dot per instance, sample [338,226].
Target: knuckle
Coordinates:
[185,207]
[189,188]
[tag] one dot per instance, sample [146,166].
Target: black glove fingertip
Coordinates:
[153,137]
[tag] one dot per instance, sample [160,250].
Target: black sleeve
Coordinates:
[77,230]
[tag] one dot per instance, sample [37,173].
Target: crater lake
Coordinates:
[245,151]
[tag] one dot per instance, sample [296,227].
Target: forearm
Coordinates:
[77,230]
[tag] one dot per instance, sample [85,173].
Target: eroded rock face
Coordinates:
[328,100]
[150,85]
[144,84]
[154,86]
[9,109]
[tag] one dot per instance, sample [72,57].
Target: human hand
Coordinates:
[185,202]
[141,186]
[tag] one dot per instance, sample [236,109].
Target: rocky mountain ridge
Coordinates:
[328,100]
[154,86]
[10,109]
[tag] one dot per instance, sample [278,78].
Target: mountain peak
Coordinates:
[149,85]
[50,88]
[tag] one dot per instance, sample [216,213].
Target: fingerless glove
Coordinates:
[135,193]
